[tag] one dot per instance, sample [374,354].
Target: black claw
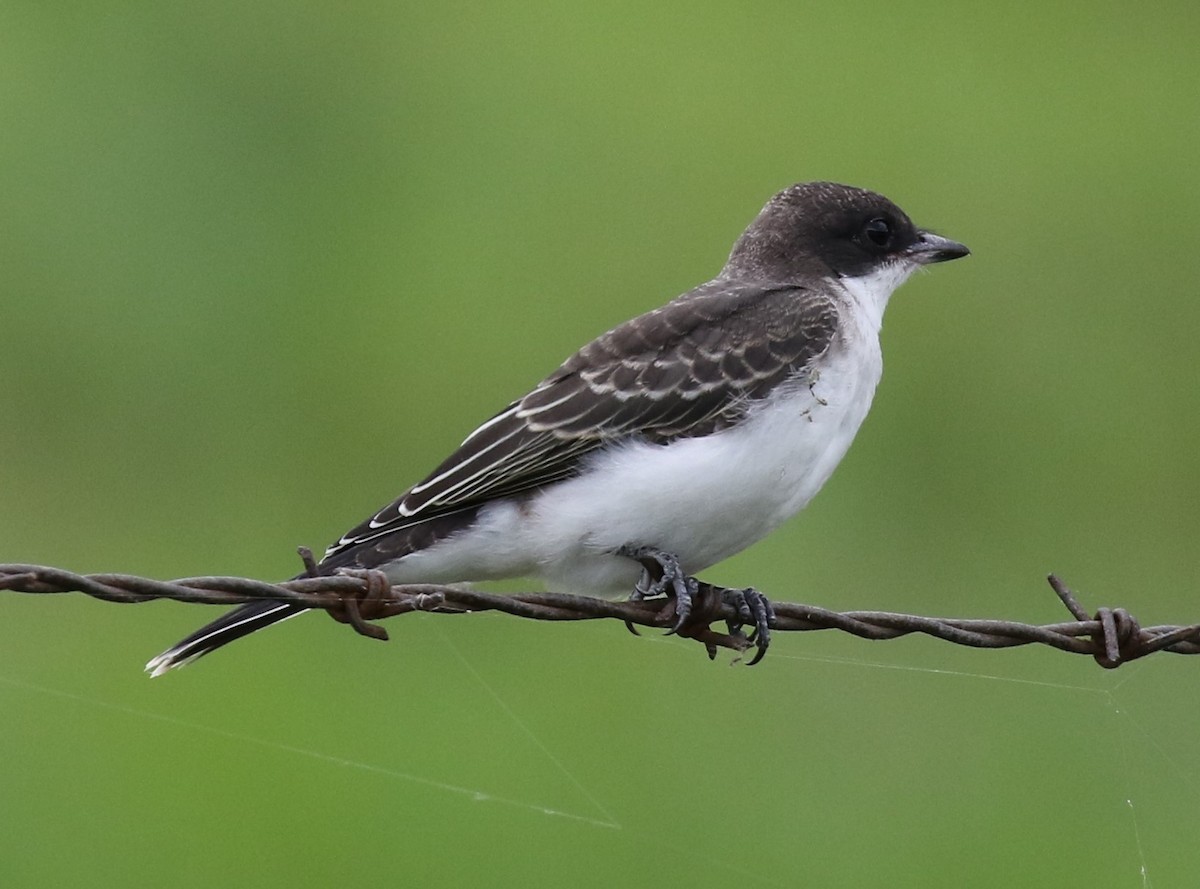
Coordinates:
[685,589]
[662,575]
[644,588]
[752,608]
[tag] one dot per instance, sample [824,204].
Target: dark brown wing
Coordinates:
[686,369]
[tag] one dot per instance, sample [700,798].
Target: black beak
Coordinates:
[931,248]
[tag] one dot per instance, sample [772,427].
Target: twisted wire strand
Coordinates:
[1111,636]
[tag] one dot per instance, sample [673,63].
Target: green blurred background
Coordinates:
[253,261]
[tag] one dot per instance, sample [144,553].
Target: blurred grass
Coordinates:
[254,260]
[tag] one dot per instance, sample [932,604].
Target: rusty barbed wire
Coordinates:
[1111,636]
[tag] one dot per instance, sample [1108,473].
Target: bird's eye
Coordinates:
[878,232]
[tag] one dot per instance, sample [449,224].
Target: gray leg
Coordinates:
[661,575]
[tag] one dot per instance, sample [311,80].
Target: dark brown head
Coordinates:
[826,229]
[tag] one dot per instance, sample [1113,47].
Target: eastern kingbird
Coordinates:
[669,443]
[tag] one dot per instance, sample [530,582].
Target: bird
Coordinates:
[667,444]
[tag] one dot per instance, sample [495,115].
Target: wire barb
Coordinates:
[1112,636]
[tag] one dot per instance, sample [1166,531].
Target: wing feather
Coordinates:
[688,368]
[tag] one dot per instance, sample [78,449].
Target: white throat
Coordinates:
[871,291]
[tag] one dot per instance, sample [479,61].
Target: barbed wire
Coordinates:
[1112,636]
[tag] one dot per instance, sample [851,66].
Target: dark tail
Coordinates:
[242,621]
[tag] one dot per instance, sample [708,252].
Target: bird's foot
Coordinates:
[661,575]
[710,603]
[752,608]
[697,604]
